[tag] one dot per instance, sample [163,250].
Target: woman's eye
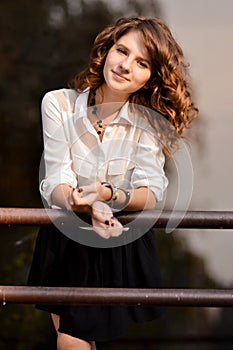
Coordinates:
[143,64]
[119,49]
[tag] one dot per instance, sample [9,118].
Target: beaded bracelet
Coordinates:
[115,194]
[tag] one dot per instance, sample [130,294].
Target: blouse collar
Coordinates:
[81,108]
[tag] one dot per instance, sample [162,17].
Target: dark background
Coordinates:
[43,44]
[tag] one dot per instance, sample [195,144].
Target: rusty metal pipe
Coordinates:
[189,219]
[104,296]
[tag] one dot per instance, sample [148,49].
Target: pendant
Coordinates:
[100,125]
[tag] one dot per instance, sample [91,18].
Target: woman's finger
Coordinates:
[104,223]
[110,228]
[101,229]
[94,188]
[83,198]
[106,232]
[116,228]
[89,188]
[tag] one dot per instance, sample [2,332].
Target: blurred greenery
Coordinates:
[43,45]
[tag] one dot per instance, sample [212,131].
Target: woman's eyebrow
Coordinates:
[122,45]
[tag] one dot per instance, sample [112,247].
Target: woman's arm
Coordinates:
[140,198]
[56,146]
[65,196]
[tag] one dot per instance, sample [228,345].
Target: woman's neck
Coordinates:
[102,110]
[105,95]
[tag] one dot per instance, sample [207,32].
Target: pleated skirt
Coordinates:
[61,261]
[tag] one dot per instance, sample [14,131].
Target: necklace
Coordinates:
[94,112]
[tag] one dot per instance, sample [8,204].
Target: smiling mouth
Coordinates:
[120,76]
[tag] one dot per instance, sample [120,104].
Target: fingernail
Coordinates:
[106,222]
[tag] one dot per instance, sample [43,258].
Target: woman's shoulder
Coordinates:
[64,98]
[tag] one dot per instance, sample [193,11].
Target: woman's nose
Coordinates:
[125,65]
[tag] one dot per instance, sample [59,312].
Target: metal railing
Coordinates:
[111,296]
[87,296]
[186,220]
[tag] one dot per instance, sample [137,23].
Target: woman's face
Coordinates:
[127,67]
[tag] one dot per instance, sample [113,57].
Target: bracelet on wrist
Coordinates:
[123,205]
[115,194]
[114,189]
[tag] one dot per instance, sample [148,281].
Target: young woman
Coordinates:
[105,140]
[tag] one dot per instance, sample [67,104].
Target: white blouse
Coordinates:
[129,155]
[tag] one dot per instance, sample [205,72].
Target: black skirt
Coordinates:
[60,261]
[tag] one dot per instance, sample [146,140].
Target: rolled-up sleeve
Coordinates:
[57,159]
[149,165]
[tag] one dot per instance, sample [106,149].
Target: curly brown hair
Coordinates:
[167,90]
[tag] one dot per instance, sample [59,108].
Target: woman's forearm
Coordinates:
[140,198]
[60,195]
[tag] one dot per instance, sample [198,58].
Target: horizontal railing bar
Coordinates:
[180,219]
[111,296]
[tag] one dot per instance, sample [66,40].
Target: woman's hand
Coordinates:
[103,221]
[88,195]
